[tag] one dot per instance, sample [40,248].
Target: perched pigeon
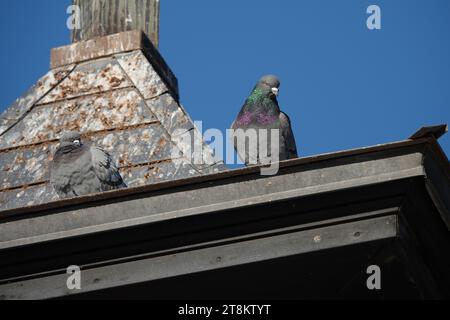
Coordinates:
[80,169]
[261,111]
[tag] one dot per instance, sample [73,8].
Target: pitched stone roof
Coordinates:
[120,94]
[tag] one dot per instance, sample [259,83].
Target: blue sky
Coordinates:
[343,85]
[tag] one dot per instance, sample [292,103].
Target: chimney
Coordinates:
[110,27]
[99,18]
[113,86]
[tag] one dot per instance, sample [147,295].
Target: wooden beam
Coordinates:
[100,18]
[205,257]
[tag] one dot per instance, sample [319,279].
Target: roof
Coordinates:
[385,204]
[300,177]
[120,94]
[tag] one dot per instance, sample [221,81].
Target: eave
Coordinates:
[359,198]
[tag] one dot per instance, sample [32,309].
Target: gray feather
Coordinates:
[105,169]
[81,170]
[289,149]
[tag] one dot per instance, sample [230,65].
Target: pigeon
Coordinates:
[261,111]
[79,169]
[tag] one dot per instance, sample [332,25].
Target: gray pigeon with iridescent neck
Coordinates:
[80,169]
[261,111]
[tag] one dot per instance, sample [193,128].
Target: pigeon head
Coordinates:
[70,139]
[270,83]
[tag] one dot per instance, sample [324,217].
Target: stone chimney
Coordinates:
[117,91]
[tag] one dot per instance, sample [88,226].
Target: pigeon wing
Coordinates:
[105,169]
[245,152]
[288,136]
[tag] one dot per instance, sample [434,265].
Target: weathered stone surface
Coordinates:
[170,114]
[184,134]
[104,17]
[216,168]
[26,197]
[142,73]
[22,105]
[138,146]
[149,72]
[115,45]
[25,166]
[88,78]
[160,65]
[96,48]
[159,172]
[115,109]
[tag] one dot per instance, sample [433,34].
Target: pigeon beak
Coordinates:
[276,91]
[77,143]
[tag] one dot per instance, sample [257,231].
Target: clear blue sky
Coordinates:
[342,85]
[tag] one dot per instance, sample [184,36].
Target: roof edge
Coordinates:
[432,131]
[231,174]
